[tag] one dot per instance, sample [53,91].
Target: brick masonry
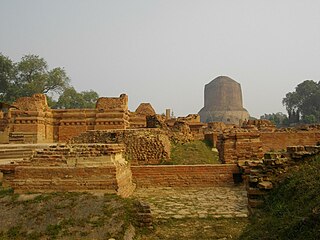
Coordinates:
[142,146]
[281,140]
[184,175]
[78,167]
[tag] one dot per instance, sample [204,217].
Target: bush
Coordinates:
[292,209]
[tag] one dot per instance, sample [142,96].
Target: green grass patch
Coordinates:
[292,209]
[5,192]
[53,230]
[195,152]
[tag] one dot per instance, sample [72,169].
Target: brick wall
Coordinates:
[49,179]
[281,140]
[142,146]
[184,175]
[239,145]
[95,167]
[32,115]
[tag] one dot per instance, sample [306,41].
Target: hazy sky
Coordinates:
[165,51]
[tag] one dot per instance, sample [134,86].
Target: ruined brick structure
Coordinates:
[75,167]
[238,145]
[223,102]
[32,121]
[138,118]
[260,176]
[142,146]
[258,137]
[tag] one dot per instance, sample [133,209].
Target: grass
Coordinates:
[292,209]
[195,229]
[64,215]
[195,152]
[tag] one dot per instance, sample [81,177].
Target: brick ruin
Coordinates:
[31,120]
[94,144]
[257,137]
[142,146]
[262,175]
[74,167]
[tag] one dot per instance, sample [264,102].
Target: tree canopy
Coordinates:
[70,98]
[32,75]
[303,104]
[279,119]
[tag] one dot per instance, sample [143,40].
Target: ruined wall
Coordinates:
[32,116]
[138,119]
[4,134]
[112,113]
[143,146]
[244,144]
[262,175]
[72,122]
[279,140]
[80,167]
[184,176]
[239,145]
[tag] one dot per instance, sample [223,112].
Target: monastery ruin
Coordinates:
[111,149]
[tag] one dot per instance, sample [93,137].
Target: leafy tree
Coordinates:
[6,74]
[70,98]
[303,105]
[29,76]
[279,119]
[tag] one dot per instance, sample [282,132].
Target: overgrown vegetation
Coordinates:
[195,152]
[195,229]
[292,209]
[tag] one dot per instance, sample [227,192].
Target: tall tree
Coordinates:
[304,103]
[29,76]
[279,119]
[6,75]
[70,98]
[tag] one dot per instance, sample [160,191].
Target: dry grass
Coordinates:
[195,152]
[196,228]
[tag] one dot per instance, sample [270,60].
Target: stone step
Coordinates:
[4,161]
[15,154]
[26,146]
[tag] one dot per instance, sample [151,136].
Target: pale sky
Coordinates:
[165,51]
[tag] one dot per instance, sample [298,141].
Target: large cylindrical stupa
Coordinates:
[223,102]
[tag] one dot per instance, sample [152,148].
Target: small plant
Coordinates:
[34,236]
[53,230]
[14,232]
[5,192]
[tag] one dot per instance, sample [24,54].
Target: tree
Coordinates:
[6,75]
[70,98]
[279,119]
[29,76]
[303,105]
